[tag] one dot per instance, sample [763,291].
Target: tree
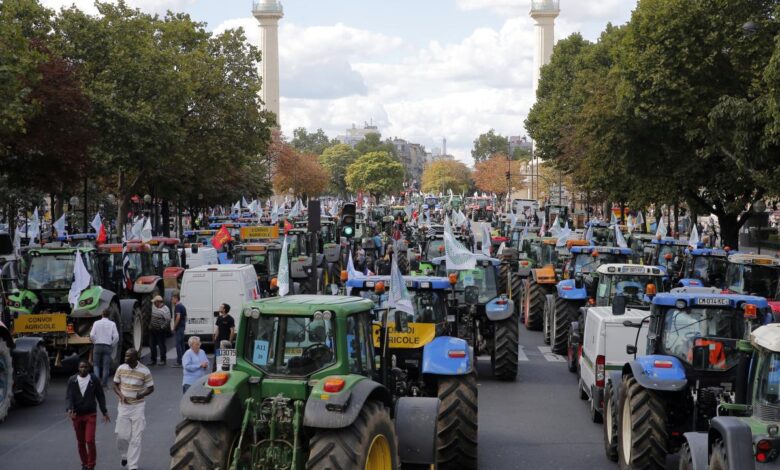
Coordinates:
[489,144]
[377,173]
[300,172]
[336,159]
[314,142]
[490,174]
[444,175]
[372,142]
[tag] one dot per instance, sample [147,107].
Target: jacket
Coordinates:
[85,404]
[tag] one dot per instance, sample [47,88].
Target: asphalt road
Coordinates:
[537,422]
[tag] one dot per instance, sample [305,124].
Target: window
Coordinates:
[357,345]
[684,330]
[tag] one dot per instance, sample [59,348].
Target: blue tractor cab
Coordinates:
[76,240]
[704,267]
[430,360]
[601,232]
[690,367]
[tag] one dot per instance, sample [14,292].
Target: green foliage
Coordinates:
[377,173]
[489,144]
[373,143]
[314,142]
[337,159]
[444,175]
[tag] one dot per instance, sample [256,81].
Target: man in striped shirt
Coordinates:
[132,384]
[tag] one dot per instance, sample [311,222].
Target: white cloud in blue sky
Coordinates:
[421,70]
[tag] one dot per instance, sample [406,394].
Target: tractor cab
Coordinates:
[601,232]
[667,252]
[75,240]
[704,267]
[166,260]
[140,265]
[264,257]
[585,260]
[758,275]
[641,244]
[199,236]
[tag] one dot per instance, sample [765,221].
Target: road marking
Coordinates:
[550,356]
[521,356]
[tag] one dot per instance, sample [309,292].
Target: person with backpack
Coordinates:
[159,327]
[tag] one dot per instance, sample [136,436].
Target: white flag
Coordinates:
[640,220]
[275,215]
[457,256]
[146,233]
[486,240]
[253,206]
[613,219]
[295,211]
[96,223]
[589,234]
[619,239]
[244,203]
[138,227]
[237,207]
[81,280]
[693,240]
[555,229]
[283,281]
[59,226]
[661,230]
[34,227]
[398,297]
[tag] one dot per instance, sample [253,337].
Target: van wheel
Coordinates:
[610,426]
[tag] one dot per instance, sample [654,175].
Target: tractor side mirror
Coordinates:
[619,305]
[630,349]
[401,322]
[471,295]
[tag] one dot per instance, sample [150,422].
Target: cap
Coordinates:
[157,298]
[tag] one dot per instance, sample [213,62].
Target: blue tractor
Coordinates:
[704,267]
[429,360]
[572,293]
[601,232]
[689,369]
[490,321]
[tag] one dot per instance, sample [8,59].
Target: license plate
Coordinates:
[41,323]
[713,301]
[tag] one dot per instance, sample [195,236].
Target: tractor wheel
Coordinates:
[504,272]
[686,459]
[534,305]
[133,337]
[564,313]
[504,357]
[33,391]
[201,444]
[115,316]
[718,459]
[370,443]
[6,380]
[517,290]
[457,426]
[610,421]
[547,316]
[642,431]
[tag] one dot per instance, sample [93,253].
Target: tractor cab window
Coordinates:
[289,345]
[483,277]
[631,286]
[429,306]
[549,255]
[601,235]
[710,269]
[359,347]
[663,250]
[752,279]
[767,393]
[703,336]
[53,271]
[435,249]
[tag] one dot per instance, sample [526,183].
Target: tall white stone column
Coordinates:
[268,13]
[544,13]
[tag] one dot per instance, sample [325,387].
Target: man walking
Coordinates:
[104,336]
[83,394]
[224,330]
[179,322]
[159,325]
[132,384]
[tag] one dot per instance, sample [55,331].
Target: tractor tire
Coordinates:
[610,422]
[686,459]
[718,459]
[133,338]
[33,392]
[564,313]
[504,271]
[457,423]
[201,444]
[642,432]
[547,317]
[505,347]
[534,305]
[116,317]
[6,380]
[369,442]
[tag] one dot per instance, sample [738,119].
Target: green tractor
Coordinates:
[41,308]
[305,392]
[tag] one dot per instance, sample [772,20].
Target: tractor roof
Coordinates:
[163,241]
[65,250]
[615,268]
[308,304]
[716,252]
[597,224]
[613,250]
[255,246]
[132,247]
[670,242]
[188,233]
[219,225]
[746,258]
[412,282]
[77,236]
[481,259]
[706,297]
[767,337]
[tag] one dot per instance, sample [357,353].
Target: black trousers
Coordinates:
[157,342]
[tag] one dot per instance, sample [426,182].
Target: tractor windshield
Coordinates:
[483,277]
[703,337]
[663,250]
[139,264]
[601,235]
[428,304]
[264,263]
[710,269]
[586,262]
[752,279]
[549,255]
[435,249]
[53,271]
[631,286]
[767,393]
[288,345]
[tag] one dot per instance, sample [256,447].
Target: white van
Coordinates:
[202,256]
[204,288]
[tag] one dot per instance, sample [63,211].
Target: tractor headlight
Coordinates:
[255,313]
[317,315]
[247,312]
[326,315]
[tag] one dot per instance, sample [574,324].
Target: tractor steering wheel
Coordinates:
[319,353]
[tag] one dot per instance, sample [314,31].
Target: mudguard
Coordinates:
[95,309]
[437,360]
[416,427]
[690,282]
[616,377]
[697,442]
[568,290]
[344,407]
[668,379]
[497,312]
[145,284]
[225,406]
[174,272]
[126,310]
[737,438]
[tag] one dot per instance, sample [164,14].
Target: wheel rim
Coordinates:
[138,331]
[379,457]
[40,379]
[608,419]
[625,431]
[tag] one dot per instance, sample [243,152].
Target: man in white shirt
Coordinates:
[104,336]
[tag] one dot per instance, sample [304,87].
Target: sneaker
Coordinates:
[124,462]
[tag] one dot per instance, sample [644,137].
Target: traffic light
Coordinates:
[348,220]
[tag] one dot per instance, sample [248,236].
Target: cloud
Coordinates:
[577,9]
[152,6]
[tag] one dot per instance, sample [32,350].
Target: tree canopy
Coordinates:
[377,173]
[444,175]
[489,144]
[337,159]
[311,142]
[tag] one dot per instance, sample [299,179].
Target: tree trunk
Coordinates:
[729,229]
[166,217]
[123,200]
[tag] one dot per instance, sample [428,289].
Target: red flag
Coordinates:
[287,226]
[221,237]
[101,237]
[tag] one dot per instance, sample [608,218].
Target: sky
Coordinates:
[421,70]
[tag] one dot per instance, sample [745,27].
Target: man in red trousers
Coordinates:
[84,393]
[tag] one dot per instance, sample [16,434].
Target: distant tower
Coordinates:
[544,13]
[444,146]
[268,13]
